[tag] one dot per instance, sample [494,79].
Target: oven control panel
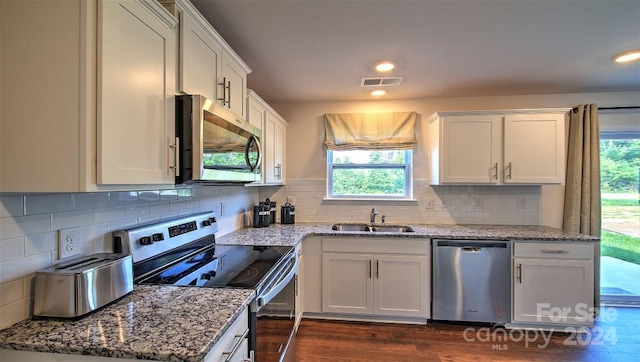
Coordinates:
[182,228]
[147,241]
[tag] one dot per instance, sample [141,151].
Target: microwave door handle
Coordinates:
[279,286]
[252,140]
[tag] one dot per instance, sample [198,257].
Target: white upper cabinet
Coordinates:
[200,55]
[98,114]
[136,111]
[274,134]
[498,147]
[233,85]
[208,65]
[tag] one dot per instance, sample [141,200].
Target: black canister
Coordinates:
[288,214]
[261,215]
[272,210]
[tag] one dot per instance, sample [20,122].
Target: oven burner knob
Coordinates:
[208,275]
[212,219]
[157,237]
[206,222]
[146,240]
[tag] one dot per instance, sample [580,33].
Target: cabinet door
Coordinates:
[534,148]
[136,85]
[471,149]
[279,139]
[402,285]
[274,137]
[200,58]
[347,283]
[234,82]
[552,291]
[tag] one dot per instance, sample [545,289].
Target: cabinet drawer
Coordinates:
[566,250]
[376,245]
[235,337]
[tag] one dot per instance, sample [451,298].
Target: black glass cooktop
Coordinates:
[211,265]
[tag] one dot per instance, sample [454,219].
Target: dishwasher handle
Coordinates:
[469,244]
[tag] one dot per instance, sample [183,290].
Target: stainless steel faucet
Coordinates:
[373,216]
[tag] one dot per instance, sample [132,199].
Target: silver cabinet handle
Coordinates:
[236,346]
[279,171]
[226,92]
[495,171]
[519,273]
[377,269]
[176,156]
[554,251]
[509,171]
[370,272]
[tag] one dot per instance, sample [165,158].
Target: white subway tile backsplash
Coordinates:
[12,227]
[19,268]
[123,198]
[11,249]
[41,204]
[11,292]
[70,219]
[91,200]
[159,208]
[108,214]
[30,242]
[137,211]
[14,312]
[11,206]
[41,243]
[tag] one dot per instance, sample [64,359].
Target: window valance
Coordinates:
[353,131]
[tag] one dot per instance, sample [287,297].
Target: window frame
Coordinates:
[407,166]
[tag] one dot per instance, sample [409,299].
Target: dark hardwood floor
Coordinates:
[614,337]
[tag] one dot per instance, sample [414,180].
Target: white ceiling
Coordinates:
[318,50]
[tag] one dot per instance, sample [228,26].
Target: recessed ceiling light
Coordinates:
[384,66]
[627,56]
[378,92]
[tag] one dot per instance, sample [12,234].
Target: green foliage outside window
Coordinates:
[619,165]
[369,173]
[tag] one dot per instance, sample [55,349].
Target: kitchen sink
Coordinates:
[373,228]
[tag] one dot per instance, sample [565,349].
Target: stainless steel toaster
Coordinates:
[73,288]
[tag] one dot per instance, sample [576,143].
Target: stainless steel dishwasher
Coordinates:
[472,280]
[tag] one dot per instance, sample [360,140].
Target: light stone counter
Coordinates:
[162,323]
[289,235]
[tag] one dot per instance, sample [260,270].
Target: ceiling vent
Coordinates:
[381,81]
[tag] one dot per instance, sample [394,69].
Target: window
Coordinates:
[375,174]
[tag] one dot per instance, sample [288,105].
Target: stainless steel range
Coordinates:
[183,252]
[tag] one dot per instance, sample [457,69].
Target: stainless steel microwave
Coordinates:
[213,146]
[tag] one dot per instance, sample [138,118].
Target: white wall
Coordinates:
[29,227]
[306,164]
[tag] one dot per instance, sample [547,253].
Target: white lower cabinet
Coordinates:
[384,277]
[553,283]
[233,346]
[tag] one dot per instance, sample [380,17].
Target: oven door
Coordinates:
[273,316]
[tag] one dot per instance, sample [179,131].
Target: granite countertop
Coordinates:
[166,323]
[289,235]
[162,323]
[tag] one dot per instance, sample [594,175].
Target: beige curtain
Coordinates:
[353,131]
[582,191]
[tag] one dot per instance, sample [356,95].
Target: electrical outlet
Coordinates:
[429,203]
[68,243]
[291,200]
[444,204]
[522,203]
[477,204]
